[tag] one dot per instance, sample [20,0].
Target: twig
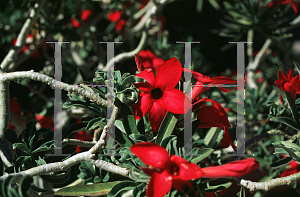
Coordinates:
[53,83]
[79,143]
[127,54]
[254,186]
[12,54]
[266,135]
[252,66]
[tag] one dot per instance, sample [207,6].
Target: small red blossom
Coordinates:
[231,169]
[29,41]
[45,121]
[86,15]
[288,83]
[148,60]
[167,172]
[159,94]
[214,116]
[115,16]
[75,23]
[294,4]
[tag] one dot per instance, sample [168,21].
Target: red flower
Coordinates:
[175,171]
[116,17]
[294,4]
[288,83]
[85,15]
[202,79]
[28,42]
[214,116]
[159,94]
[231,169]
[75,23]
[167,172]
[149,61]
[45,121]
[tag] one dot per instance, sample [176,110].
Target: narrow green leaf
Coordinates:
[281,162]
[291,153]
[11,136]
[292,105]
[289,122]
[121,187]
[132,79]
[138,138]
[22,147]
[217,187]
[128,120]
[166,128]
[97,189]
[25,184]
[205,152]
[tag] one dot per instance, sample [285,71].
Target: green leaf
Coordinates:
[281,162]
[122,138]
[45,147]
[22,147]
[290,152]
[75,128]
[96,122]
[211,137]
[128,120]
[128,96]
[122,187]
[25,184]
[289,122]
[279,91]
[97,189]
[216,186]
[166,128]
[138,138]
[205,152]
[132,79]
[292,105]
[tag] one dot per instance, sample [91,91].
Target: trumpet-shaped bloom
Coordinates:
[159,94]
[167,172]
[231,169]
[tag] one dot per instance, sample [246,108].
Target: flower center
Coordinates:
[156,93]
[175,170]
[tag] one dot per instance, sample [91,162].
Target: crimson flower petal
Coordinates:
[151,154]
[176,101]
[231,169]
[148,171]
[187,170]
[168,74]
[289,75]
[159,184]
[181,185]
[139,63]
[150,78]
[143,105]
[289,172]
[197,90]
[156,114]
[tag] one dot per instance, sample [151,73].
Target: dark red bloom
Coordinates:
[45,121]
[159,94]
[114,16]
[294,4]
[85,15]
[231,169]
[205,80]
[75,23]
[288,83]
[167,172]
[214,116]
[149,61]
